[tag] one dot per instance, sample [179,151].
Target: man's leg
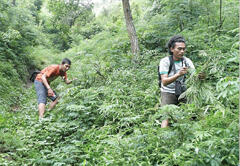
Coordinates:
[41,109]
[53,103]
[165,123]
[41,97]
[54,99]
[167,98]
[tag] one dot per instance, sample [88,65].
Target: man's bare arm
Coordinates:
[50,91]
[168,80]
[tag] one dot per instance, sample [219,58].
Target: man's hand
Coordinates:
[50,92]
[201,76]
[68,81]
[183,71]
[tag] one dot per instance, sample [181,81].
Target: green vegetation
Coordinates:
[110,115]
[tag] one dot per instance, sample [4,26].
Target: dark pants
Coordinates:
[170,98]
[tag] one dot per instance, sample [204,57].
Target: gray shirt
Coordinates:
[164,67]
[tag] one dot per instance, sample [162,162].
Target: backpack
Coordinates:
[169,69]
[34,75]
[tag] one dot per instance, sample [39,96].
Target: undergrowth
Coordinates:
[111,114]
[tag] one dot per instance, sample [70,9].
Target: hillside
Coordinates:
[111,114]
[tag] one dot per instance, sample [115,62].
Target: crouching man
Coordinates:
[42,84]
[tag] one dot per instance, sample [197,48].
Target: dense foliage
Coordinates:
[110,115]
[18,32]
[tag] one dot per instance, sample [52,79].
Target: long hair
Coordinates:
[172,41]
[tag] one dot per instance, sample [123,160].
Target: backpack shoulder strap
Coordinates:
[171,63]
[185,64]
[169,70]
[159,77]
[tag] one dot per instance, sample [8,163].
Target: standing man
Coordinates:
[173,70]
[42,84]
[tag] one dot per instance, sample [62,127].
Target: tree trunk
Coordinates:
[220,17]
[14,2]
[130,28]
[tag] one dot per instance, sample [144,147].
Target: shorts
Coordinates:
[168,98]
[171,98]
[42,93]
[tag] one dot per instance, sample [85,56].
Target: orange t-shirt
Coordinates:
[51,72]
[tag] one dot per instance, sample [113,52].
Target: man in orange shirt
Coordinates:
[42,84]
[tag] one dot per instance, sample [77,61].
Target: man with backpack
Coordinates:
[172,73]
[42,84]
